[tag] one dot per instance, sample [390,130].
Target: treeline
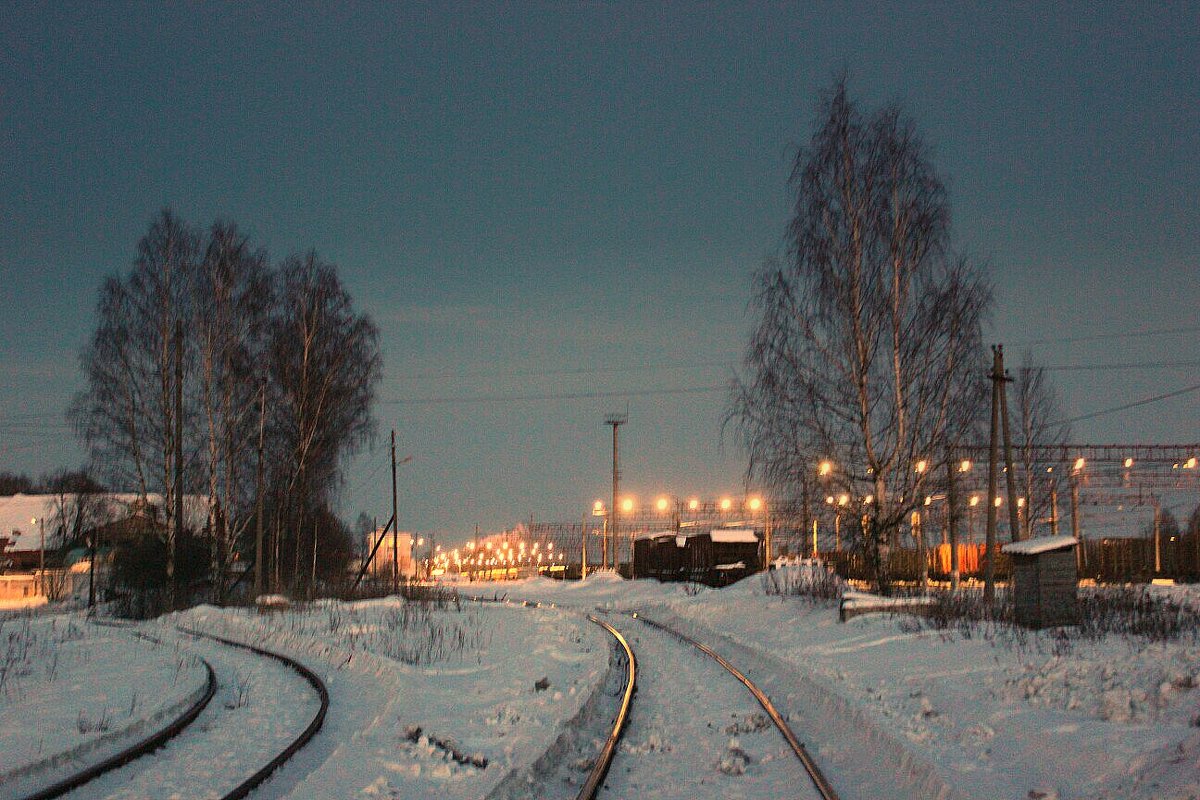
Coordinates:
[242,378]
[59,480]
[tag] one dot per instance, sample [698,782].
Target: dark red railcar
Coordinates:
[713,556]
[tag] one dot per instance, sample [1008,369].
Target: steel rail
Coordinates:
[255,780]
[604,760]
[819,780]
[135,751]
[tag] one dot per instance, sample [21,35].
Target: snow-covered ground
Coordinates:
[411,686]
[696,732]
[983,712]
[998,713]
[72,691]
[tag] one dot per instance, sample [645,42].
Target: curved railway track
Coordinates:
[184,720]
[599,770]
[820,782]
[255,780]
[592,785]
[135,751]
[604,760]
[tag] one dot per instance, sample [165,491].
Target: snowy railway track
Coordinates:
[628,684]
[135,751]
[820,782]
[255,780]
[595,785]
[85,779]
[603,761]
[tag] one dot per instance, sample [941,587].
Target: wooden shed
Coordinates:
[1045,581]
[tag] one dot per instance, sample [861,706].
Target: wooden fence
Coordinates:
[904,564]
[1117,560]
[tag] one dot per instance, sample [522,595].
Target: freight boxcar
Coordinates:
[714,556]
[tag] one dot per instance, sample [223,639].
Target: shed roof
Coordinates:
[653,534]
[733,535]
[1042,544]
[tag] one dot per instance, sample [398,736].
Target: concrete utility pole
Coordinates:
[616,421]
[989,570]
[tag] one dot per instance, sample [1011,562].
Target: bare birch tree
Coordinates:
[126,413]
[1040,417]
[325,364]
[231,307]
[867,353]
[314,356]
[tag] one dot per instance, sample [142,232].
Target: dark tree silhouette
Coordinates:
[867,353]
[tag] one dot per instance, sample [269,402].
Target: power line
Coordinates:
[1136,403]
[1120,366]
[729,364]
[526,373]
[501,398]
[1104,336]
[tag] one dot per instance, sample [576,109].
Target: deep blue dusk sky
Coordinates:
[570,199]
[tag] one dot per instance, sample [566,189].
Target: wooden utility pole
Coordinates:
[952,517]
[276,578]
[171,555]
[1014,515]
[1157,537]
[312,585]
[92,568]
[42,558]
[259,562]
[989,569]
[1053,507]
[604,542]
[768,543]
[922,553]
[1076,528]
[395,525]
